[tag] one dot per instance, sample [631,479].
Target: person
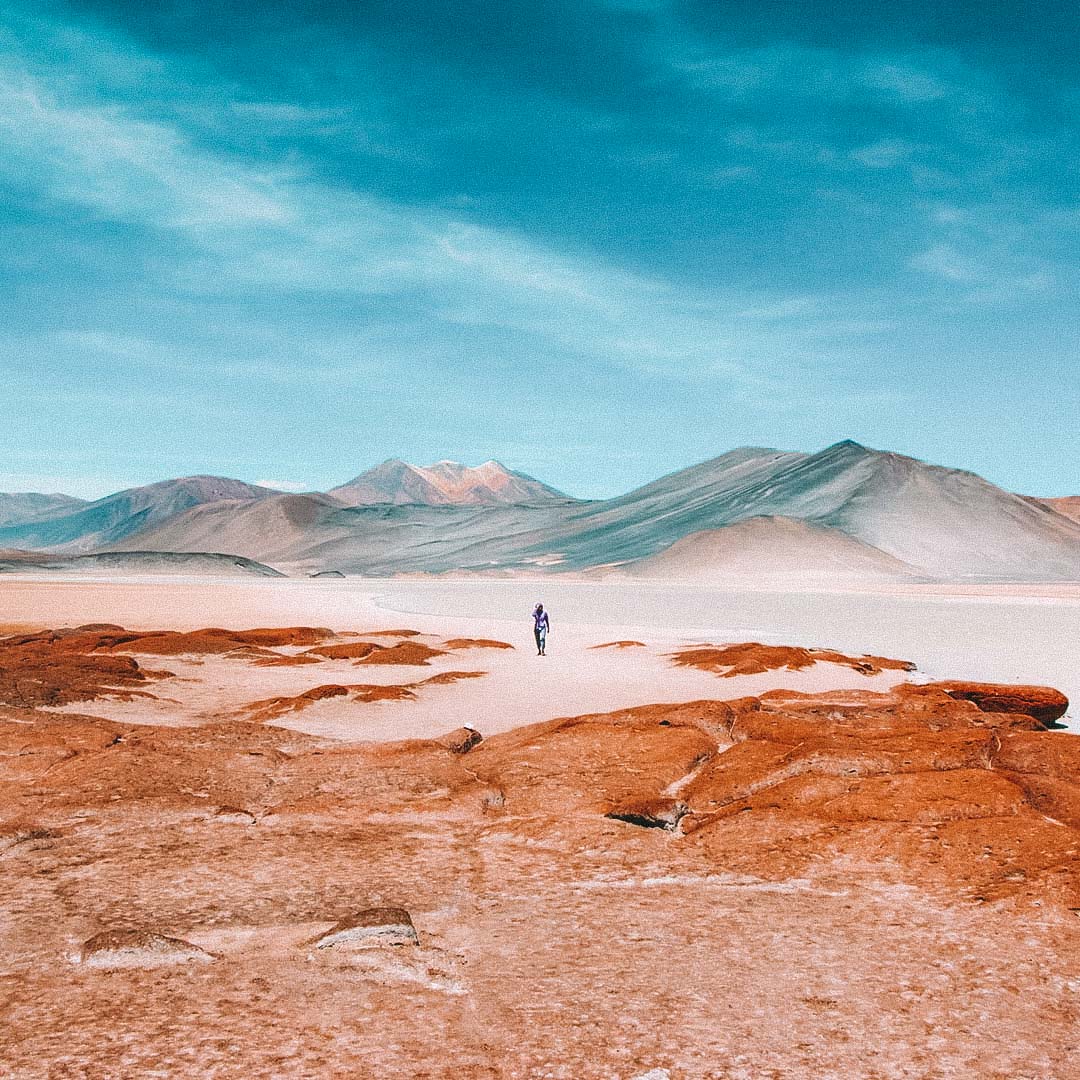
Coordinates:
[540,629]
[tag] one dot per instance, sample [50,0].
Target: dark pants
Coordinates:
[541,638]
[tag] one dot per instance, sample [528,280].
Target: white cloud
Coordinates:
[883,154]
[945,261]
[249,231]
[906,82]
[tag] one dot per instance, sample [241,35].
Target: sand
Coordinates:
[993,633]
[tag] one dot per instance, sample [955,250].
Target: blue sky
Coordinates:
[595,239]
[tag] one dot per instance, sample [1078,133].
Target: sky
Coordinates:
[597,240]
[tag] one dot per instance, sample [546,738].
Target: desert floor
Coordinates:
[824,866]
[994,633]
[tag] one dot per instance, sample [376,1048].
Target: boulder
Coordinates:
[139,948]
[462,740]
[372,926]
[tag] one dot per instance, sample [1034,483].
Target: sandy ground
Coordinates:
[1002,633]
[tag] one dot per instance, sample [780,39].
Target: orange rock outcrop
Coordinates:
[753,658]
[843,884]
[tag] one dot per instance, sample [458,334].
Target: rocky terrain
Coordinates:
[857,883]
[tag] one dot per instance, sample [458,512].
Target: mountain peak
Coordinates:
[445,483]
[851,445]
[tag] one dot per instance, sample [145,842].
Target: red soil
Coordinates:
[214,640]
[475,643]
[408,653]
[753,658]
[620,645]
[51,669]
[353,650]
[271,709]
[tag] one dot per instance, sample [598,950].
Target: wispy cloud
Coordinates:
[256,229]
[367,236]
[945,261]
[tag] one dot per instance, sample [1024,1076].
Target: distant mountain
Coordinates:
[153,563]
[847,511]
[944,522]
[446,483]
[89,526]
[1068,506]
[19,507]
[715,493]
[771,549]
[311,533]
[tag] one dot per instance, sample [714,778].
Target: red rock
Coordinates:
[407,653]
[1043,703]
[214,640]
[753,659]
[877,856]
[139,948]
[461,741]
[475,643]
[446,677]
[373,926]
[43,669]
[353,650]
[286,661]
[370,693]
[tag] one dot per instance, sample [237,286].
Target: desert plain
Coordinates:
[350,827]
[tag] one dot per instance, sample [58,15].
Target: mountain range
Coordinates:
[844,513]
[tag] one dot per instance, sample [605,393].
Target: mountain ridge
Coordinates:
[113,518]
[886,512]
[19,507]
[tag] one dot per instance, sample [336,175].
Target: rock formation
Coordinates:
[783,884]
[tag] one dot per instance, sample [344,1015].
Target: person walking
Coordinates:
[541,625]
